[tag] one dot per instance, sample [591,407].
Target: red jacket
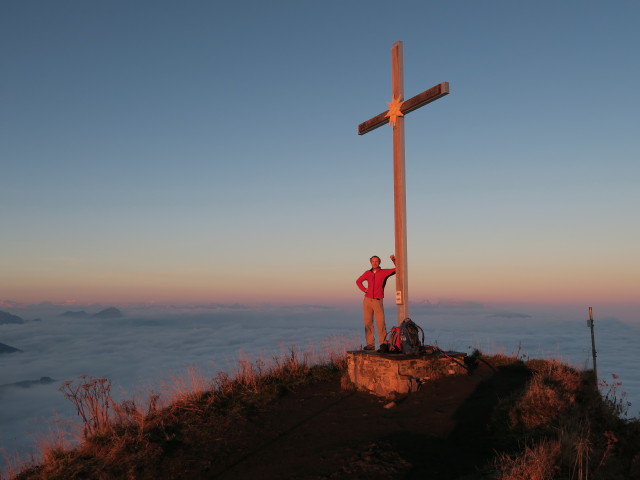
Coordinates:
[375,282]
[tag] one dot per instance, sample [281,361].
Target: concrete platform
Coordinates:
[388,375]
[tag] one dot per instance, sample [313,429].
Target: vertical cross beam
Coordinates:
[395,115]
[399,187]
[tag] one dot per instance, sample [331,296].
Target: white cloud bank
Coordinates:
[152,343]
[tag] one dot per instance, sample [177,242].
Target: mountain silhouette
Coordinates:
[4,348]
[111,312]
[6,317]
[29,383]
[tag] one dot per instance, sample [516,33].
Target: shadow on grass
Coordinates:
[472,444]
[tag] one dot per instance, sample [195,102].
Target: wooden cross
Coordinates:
[395,116]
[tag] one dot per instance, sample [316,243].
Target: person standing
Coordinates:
[376,279]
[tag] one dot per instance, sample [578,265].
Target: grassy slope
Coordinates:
[557,426]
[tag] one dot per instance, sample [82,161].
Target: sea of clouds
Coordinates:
[149,345]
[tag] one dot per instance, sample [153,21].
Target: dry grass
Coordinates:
[551,390]
[92,399]
[538,462]
[136,431]
[568,429]
[557,427]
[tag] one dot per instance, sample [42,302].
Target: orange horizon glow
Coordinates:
[76,295]
[294,284]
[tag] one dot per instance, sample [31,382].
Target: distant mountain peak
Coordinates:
[111,312]
[4,348]
[6,317]
[10,304]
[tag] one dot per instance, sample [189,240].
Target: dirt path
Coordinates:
[324,432]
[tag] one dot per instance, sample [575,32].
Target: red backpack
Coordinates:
[394,341]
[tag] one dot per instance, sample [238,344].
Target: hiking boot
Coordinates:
[369,347]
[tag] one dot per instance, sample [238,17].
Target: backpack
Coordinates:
[394,345]
[411,337]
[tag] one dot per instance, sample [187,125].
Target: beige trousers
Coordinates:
[371,307]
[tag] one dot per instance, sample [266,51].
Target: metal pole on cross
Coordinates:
[395,117]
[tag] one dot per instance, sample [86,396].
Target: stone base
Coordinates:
[388,375]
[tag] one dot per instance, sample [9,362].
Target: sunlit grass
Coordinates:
[557,425]
[111,430]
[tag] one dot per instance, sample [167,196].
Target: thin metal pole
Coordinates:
[593,345]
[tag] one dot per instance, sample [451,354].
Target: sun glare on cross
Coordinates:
[394,110]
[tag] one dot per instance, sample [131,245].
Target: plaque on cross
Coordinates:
[395,117]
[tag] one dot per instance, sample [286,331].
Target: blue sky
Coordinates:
[207,151]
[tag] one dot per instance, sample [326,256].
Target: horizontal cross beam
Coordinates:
[410,105]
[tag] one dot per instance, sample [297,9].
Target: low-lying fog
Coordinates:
[147,346]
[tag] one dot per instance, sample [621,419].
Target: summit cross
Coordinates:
[395,116]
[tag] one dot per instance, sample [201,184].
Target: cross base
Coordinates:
[390,375]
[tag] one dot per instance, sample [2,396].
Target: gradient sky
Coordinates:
[196,151]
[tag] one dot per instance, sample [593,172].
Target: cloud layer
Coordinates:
[150,344]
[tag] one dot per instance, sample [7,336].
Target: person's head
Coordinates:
[375,261]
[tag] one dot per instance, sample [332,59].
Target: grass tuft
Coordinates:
[537,462]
